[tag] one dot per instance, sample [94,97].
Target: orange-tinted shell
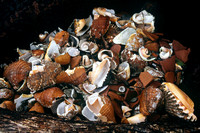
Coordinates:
[8,105]
[47,96]
[76,76]
[37,107]
[100,26]
[61,37]
[63,59]
[16,72]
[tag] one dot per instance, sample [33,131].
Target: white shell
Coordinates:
[165,53]
[52,51]
[22,98]
[99,72]
[126,111]
[144,18]
[72,51]
[124,70]
[123,36]
[88,23]
[67,110]
[143,52]
[136,119]
[86,61]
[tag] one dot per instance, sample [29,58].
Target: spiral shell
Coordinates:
[17,72]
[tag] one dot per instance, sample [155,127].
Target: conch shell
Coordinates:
[99,106]
[76,76]
[99,72]
[178,103]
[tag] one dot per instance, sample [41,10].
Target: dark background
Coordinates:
[21,21]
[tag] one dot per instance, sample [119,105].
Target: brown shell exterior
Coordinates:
[78,77]
[138,64]
[150,99]
[100,26]
[63,59]
[44,79]
[61,37]
[46,97]
[6,93]
[17,71]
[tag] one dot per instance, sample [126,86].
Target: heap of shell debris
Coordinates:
[105,67]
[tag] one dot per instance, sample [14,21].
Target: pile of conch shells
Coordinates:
[102,67]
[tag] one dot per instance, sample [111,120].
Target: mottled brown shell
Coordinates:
[6,93]
[76,76]
[100,26]
[150,99]
[45,78]
[17,72]
[47,97]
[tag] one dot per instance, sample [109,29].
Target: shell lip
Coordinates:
[145,54]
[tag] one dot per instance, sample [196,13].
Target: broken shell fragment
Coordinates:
[100,26]
[123,36]
[73,51]
[165,53]
[8,105]
[99,72]
[48,96]
[86,61]
[37,107]
[134,42]
[61,38]
[82,25]
[124,71]
[53,51]
[144,20]
[138,118]
[101,107]
[63,59]
[68,110]
[20,101]
[178,103]
[144,54]
[75,76]
[126,111]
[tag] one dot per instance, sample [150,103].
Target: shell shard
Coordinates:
[48,96]
[123,36]
[53,51]
[76,76]
[134,42]
[67,110]
[82,25]
[144,20]
[136,119]
[124,71]
[99,72]
[178,103]
[101,107]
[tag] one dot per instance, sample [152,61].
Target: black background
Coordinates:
[178,20]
